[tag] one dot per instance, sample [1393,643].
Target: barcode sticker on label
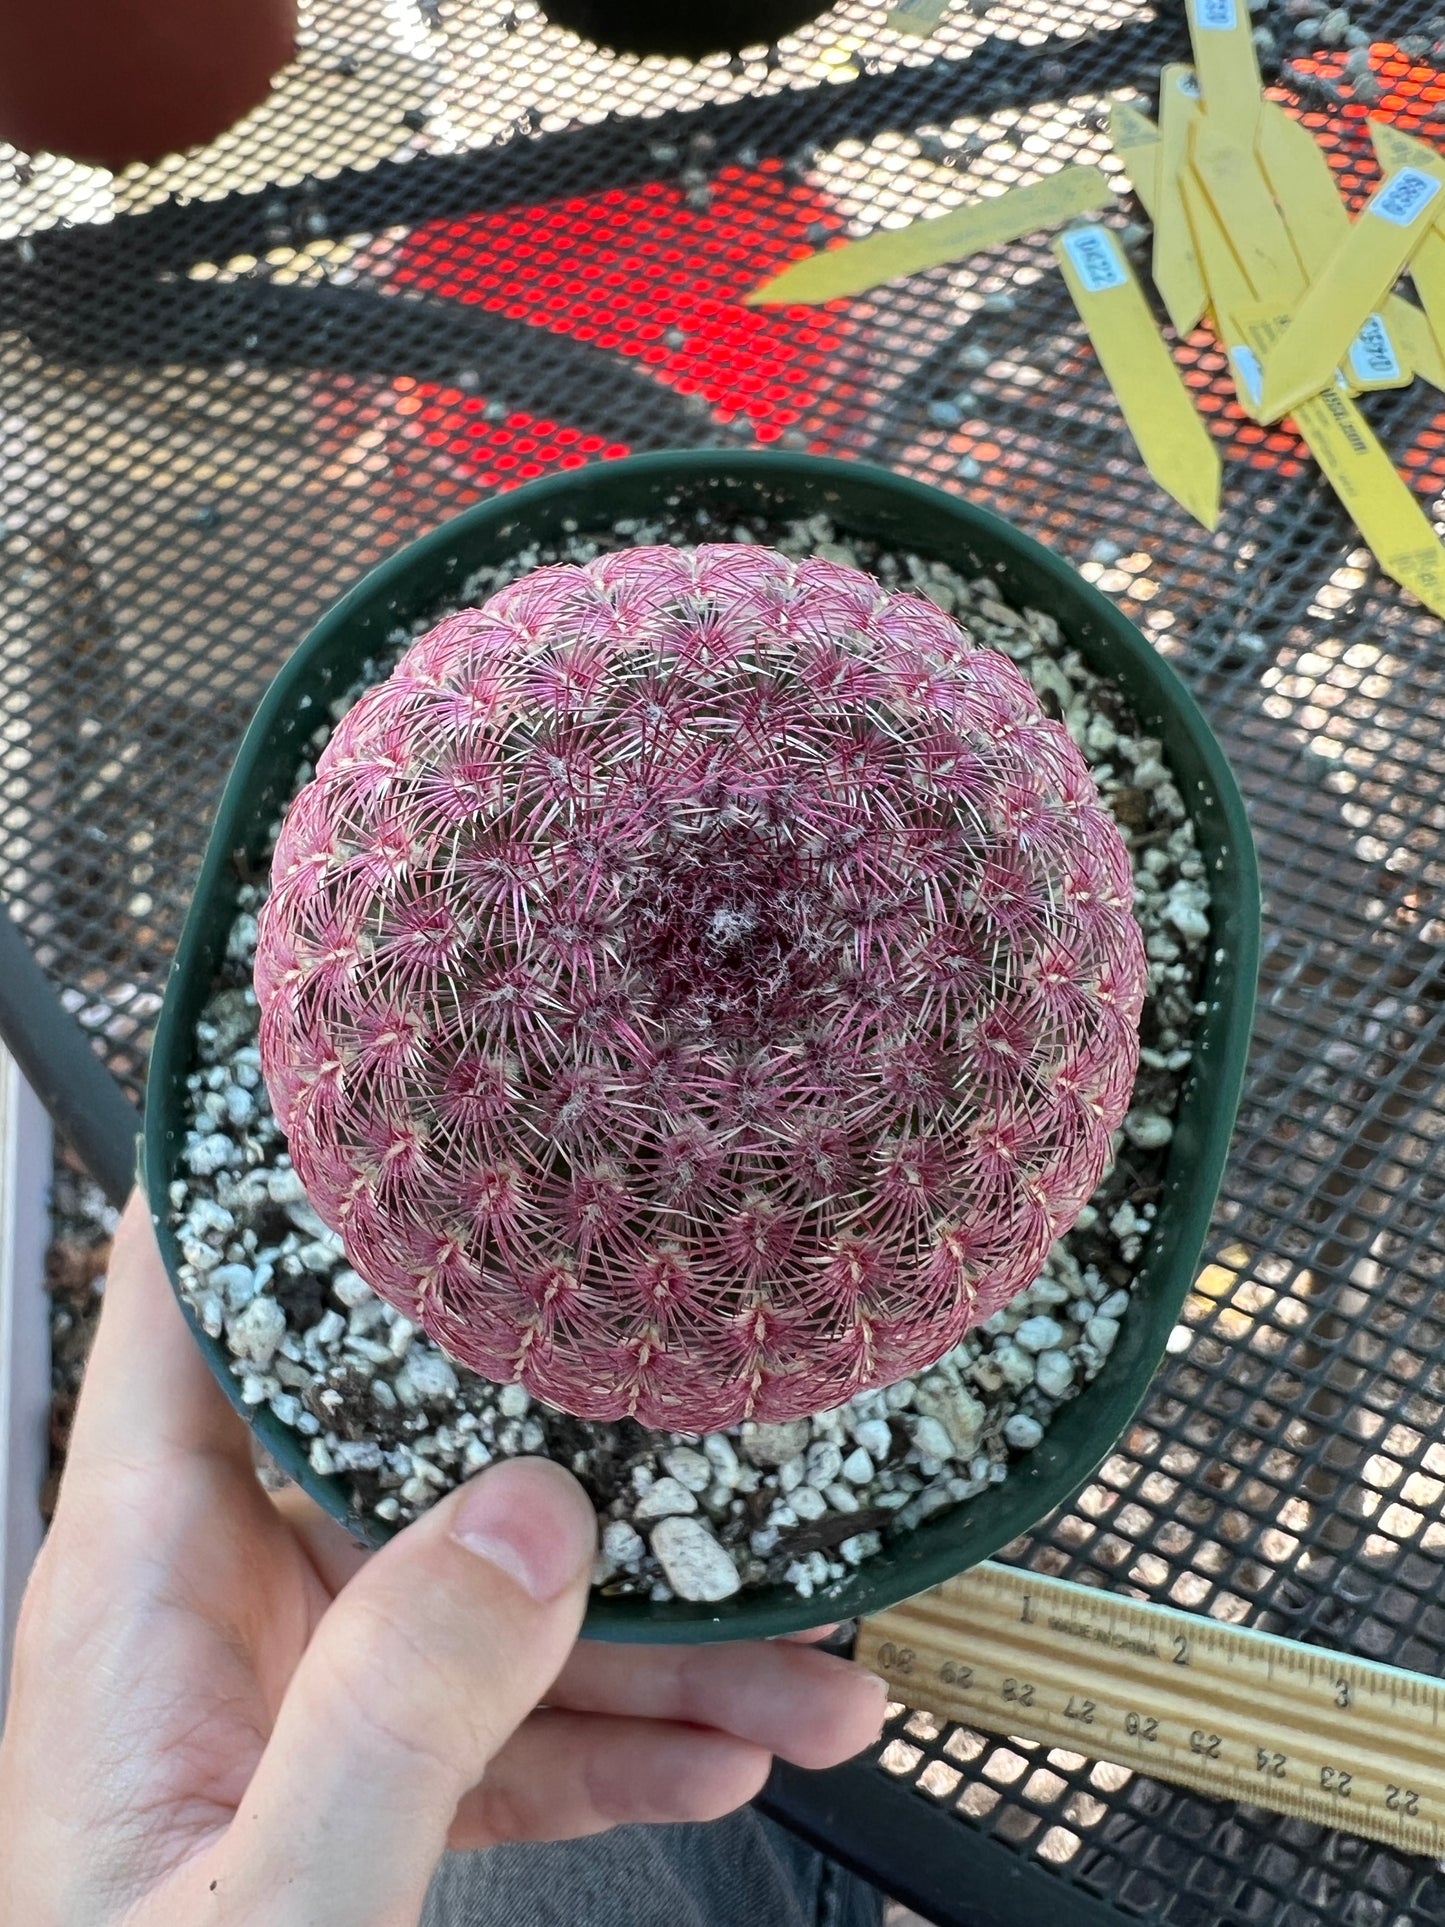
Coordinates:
[1246,366]
[1372,354]
[1403,198]
[1216,16]
[1094,259]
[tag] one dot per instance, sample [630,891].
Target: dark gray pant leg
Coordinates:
[739,1872]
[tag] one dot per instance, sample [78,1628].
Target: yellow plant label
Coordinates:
[1226,282]
[1359,273]
[1373,361]
[1303,183]
[859,265]
[1265,225]
[1318,220]
[1135,139]
[1415,341]
[1235,183]
[1176,266]
[1222,36]
[1394,148]
[1379,503]
[1227,286]
[919,17]
[1175,445]
[1427,268]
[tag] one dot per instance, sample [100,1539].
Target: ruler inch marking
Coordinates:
[1223,1709]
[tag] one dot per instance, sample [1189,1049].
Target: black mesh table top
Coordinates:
[459,248]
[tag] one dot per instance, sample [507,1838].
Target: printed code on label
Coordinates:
[1215,16]
[1094,259]
[1372,356]
[1401,199]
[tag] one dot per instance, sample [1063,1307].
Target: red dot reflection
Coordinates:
[637,273]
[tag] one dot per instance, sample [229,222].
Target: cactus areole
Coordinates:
[699,985]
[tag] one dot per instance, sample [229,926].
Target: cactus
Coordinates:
[699,985]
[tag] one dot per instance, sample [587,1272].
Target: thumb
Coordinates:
[421,1668]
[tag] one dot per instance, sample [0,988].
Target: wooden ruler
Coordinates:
[1228,1711]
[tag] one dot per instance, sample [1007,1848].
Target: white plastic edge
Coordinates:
[25,1174]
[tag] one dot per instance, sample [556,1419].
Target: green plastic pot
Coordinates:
[423,582]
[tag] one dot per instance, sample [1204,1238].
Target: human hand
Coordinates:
[224,1712]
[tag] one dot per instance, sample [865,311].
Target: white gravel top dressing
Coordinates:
[699,1519]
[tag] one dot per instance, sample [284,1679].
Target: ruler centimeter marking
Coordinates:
[1223,1709]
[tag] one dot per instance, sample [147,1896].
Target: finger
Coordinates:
[329,1546]
[564,1775]
[419,1672]
[807,1707]
[337,1557]
[148,1394]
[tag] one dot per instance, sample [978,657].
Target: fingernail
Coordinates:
[521,1524]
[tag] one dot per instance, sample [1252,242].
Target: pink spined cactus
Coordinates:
[699,985]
